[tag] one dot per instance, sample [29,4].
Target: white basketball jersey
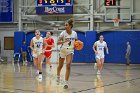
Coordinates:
[38,43]
[100,46]
[71,37]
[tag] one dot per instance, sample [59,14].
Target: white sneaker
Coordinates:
[95,66]
[98,72]
[26,62]
[58,79]
[40,77]
[66,85]
[1,60]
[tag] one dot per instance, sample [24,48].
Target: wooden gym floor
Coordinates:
[115,78]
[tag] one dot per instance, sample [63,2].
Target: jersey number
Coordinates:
[100,48]
[38,45]
[69,43]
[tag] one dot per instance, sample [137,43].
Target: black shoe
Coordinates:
[66,86]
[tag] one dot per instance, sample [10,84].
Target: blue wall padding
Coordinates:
[19,37]
[79,56]
[117,46]
[116,41]
[90,39]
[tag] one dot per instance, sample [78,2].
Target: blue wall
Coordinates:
[116,41]
[90,39]
[79,56]
[19,37]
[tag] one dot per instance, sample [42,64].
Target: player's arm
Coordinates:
[60,41]
[31,45]
[94,48]
[44,44]
[106,49]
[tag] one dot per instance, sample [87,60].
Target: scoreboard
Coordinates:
[54,7]
[54,2]
[110,2]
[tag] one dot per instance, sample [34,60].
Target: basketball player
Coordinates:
[98,48]
[66,40]
[50,45]
[36,45]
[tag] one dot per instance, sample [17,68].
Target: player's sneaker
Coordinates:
[40,77]
[98,72]
[50,66]
[24,63]
[1,59]
[66,85]
[58,80]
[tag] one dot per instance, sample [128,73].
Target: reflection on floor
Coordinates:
[115,78]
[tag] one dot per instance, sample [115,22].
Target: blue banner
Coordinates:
[54,10]
[6,10]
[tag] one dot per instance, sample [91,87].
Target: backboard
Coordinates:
[122,13]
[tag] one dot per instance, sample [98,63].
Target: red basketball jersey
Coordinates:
[49,41]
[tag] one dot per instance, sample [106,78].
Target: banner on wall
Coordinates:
[6,11]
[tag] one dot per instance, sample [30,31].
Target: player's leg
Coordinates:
[23,58]
[35,60]
[26,58]
[60,65]
[48,57]
[98,66]
[40,66]
[102,63]
[48,61]
[69,59]
[97,57]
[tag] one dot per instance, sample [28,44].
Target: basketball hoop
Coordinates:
[116,22]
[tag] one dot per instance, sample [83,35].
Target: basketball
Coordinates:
[78,45]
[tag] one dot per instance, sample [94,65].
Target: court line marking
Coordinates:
[107,85]
[17,89]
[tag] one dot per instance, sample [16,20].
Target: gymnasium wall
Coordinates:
[6,53]
[116,41]
[117,46]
